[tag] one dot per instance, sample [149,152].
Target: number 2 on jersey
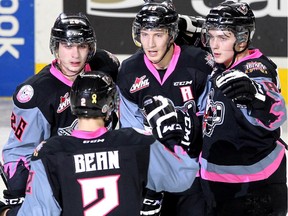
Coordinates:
[93,203]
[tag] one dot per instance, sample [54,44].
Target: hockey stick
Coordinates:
[3,175]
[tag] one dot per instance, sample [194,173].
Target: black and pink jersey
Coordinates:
[240,142]
[182,82]
[102,173]
[41,109]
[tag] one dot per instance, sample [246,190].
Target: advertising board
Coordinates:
[16,43]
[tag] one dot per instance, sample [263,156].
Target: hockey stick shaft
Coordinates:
[3,175]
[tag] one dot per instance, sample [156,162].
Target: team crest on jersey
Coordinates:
[25,94]
[189,105]
[214,115]
[139,83]
[255,66]
[64,103]
[209,60]
[38,148]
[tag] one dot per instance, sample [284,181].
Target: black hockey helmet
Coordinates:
[93,94]
[155,15]
[73,29]
[232,16]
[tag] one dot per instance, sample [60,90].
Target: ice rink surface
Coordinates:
[5,112]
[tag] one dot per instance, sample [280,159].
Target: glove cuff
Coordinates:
[153,194]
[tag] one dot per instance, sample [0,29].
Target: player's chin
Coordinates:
[154,59]
[76,68]
[219,60]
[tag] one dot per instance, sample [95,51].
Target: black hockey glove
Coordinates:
[239,87]
[16,185]
[152,203]
[192,139]
[190,24]
[189,30]
[12,200]
[162,118]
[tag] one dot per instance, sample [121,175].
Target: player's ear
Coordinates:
[241,46]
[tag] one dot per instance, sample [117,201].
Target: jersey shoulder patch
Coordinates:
[25,94]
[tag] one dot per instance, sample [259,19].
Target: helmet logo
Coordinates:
[94,98]
[74,33]
[212,19]
[243,9]
[150,19]
[74,21]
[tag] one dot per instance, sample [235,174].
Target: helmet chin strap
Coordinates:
[236,53]
[74,75]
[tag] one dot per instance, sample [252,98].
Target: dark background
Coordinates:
[114,34]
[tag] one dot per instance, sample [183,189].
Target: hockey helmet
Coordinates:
[73,29]
[231,16]
[93,94]
[155,15]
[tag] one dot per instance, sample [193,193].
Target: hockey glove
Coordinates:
[239,87]
[152,203]
[162,118]
[190,24]
[192,139]
[189,31]
[12,200]
[16,185]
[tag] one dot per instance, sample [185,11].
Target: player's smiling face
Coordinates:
[154,43]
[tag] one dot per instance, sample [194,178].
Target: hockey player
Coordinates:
[243,163]
[189,28]
[100,172]
[41,103]
[179,73]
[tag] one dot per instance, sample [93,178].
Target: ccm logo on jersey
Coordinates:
[183,83]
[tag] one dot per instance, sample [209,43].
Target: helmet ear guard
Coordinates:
[93,95]
[72,29]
